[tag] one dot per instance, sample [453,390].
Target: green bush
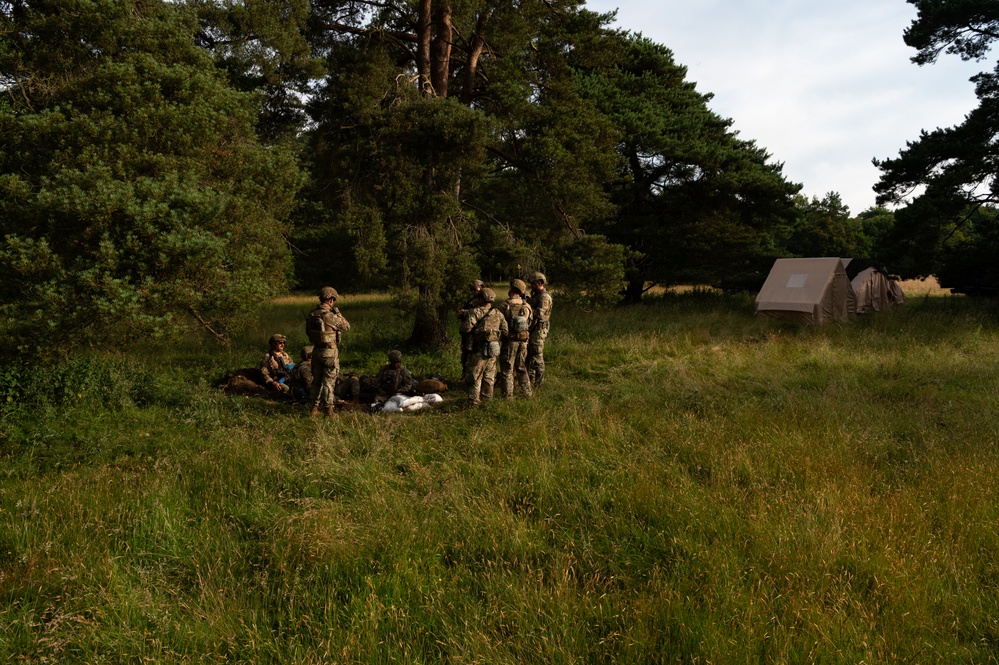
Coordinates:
[104,382]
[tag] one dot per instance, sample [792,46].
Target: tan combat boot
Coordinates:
[314,413]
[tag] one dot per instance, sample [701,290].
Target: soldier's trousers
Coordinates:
[536,355]
[480,376]
[325,369]
[513,365]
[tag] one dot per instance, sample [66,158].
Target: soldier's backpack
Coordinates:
[487,330]
[519,323]
[315,329]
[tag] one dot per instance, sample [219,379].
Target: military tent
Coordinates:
[807,291]
[875,290]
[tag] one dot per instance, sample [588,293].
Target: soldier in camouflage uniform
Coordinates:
[466,341]
[393,378]
[348,387]
[276,366]
[513,357]
[541,303]
[301,377]
[487,328]
[324,325]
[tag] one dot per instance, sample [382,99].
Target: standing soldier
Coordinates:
[541,303]
[487,327]
[276,366]
[513,357]
[324,325]
[466,341]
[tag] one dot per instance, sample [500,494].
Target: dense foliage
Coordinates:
[155,156]
[450,139]
[136,199]
[947,176]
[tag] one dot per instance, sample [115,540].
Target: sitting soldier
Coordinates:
[348,387]
[276,366]
[393,378]
[301,377]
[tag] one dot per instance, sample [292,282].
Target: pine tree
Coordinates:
[136,199]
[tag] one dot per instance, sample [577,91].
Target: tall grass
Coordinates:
[692,484]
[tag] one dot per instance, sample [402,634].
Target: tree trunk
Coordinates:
[476,46]
[441,50]
[423,40]
[633,292]
[430,326]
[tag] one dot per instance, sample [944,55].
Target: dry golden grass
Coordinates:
[911,288]
[311,300]
[923,287]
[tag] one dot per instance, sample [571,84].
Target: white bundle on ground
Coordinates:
[403,403]
[410,401]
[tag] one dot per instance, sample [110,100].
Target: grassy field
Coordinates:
[693,484]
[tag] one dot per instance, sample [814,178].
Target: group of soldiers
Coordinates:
[293,381]
[512,333]
[316,379]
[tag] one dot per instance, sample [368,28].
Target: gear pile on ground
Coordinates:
[244,381]
[430,386]
[404,403]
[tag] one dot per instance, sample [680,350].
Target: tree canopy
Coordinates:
[946,176]
[168,164]
[438,125]
[136,199]
[694,203]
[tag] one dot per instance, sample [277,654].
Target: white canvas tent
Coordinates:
[807,291]
[875,290]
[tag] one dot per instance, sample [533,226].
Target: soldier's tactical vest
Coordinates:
[519,323]
[391,379]
[315,329]
[488,327]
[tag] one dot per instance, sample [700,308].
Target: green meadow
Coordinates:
[693,484]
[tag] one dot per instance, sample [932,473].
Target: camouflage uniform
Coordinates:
[301,377]
[487,327]
[513,357]
[324,325]
[348,388]
[276,367]
[466,339]
[393,378]
[541,303]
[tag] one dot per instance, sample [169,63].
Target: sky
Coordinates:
[824,87]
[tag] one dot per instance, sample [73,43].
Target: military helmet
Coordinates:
[277,337]
[476,284]
[307,351]
[487,295]
[518,285]
[539,277]
[395,356]
[328,293]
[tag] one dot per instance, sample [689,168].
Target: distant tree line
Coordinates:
[173,164]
